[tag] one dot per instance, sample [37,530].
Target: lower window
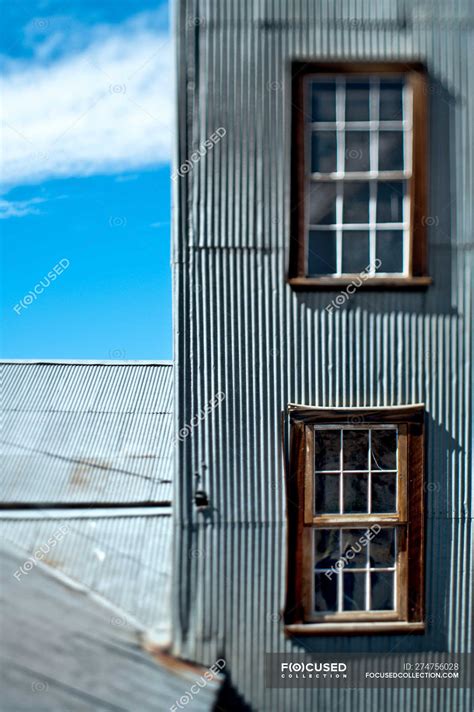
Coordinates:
[357,572]
[355,505]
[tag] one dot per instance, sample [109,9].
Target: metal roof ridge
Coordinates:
[87,362]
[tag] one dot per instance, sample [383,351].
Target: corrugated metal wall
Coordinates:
[241,330]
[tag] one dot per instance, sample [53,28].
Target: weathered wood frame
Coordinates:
[409,521]
[416,76]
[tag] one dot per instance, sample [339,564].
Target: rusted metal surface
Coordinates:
[240,329]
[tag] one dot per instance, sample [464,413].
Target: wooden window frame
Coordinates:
[409,616]
[417,277]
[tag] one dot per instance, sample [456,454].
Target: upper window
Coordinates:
[358,192]
[356,524]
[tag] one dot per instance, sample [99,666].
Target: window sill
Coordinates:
[394,627]
[337,283]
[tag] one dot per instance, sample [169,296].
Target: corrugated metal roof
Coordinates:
[98,434]
[86,432]
[125,559]
[64,649]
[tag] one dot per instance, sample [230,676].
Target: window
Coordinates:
[358,193]
[355,506]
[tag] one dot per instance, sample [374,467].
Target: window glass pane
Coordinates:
[326,494]
[323,101]
[356,202]
[327,449]
[384,449]
[326,548]
[322,203]
[382,549]
[355,251]
[321,252]
[390,201]
[390,150]
[357,101]
[357,151]
[353,549]
[389,249]
[354,591]
[355,493]
[391,106]
[383,493]
[356,449]
[382,591]
[325,592]
[323,151]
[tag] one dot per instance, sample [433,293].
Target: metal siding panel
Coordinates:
[243,331]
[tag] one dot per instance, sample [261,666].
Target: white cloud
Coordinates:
[104,107]
[19,208]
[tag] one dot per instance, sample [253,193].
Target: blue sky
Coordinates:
[87,134]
